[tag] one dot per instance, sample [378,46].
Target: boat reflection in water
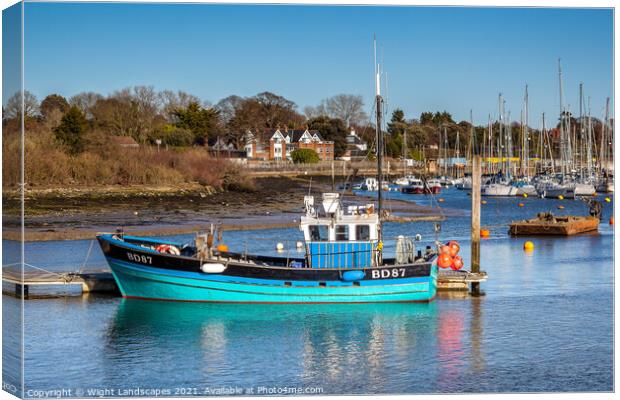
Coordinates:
[341,348]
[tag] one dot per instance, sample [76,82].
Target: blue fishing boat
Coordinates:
[343,261]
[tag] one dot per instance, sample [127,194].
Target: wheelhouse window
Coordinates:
[342,232]
[318,233]
[362,232]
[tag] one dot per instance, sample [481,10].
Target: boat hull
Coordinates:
[137,281]
[147,274]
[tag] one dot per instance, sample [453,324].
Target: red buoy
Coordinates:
[445,249]
[454,247]
[457,263]
[444,260]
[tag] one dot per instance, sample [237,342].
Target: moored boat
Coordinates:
[343,263]
[548,224]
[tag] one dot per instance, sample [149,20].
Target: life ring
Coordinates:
[168,249]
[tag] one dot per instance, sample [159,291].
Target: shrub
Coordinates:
[305,156]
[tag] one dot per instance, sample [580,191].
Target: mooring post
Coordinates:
[475,222]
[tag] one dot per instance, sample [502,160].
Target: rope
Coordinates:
[90,248]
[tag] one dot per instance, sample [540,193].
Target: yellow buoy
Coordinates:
[560,197]
[525,195]
[528,245]
[607,199]
[222,248]
[483,202]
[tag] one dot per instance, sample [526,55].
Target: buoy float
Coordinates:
[457,263]
[483,202]
[454,248]
[222,248]
[354,275]
[611,220]
[445,249]
[441,200]
[213,268]
[521,204]
[485,233]
[607,199]
[418,237]
[444,260]
[299,245]
[594,194]
[528,245]
[525,195]
[279,247]
[560,207]
[560,197]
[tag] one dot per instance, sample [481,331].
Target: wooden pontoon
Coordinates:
[548,224]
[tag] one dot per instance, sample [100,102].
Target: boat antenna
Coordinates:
[379,134]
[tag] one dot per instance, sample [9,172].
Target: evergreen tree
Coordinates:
[71,130]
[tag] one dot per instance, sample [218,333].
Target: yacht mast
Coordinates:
[379,133]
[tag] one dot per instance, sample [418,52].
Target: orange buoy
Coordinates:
[222,248]
[611,220]
[483,202]
[445,249]
[444,260]
[454,247]
[457,263]
[521,204]
[594,194]
[560,207]
[441,200]
[528,246]
[485,233]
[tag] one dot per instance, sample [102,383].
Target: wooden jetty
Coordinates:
[449,280]
[548,224]
[43,284]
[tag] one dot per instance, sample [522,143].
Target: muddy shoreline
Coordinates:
[79,213]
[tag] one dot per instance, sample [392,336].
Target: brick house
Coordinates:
[277,144]
[357,148]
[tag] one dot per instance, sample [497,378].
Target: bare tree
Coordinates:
[314,112]
[228,106]
[172,101]
[347,107]
[13,107]
[85,101]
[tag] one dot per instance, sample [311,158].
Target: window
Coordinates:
[318,233]
[362,232]
[342,232]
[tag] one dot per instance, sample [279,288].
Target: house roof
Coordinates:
[294,134]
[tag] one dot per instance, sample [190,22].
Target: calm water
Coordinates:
[545,324]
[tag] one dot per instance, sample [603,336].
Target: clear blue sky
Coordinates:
[436,58]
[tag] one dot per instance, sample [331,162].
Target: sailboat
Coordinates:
[500,184]
[343,262]
[523,185]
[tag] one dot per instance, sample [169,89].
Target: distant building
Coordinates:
[225,147]
[357,148]
[277,144]
[124,141]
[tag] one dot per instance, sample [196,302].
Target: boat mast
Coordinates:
[562,134]
[526,138]
[379,106]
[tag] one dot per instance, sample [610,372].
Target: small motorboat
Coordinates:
[432,186]
[415,186]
